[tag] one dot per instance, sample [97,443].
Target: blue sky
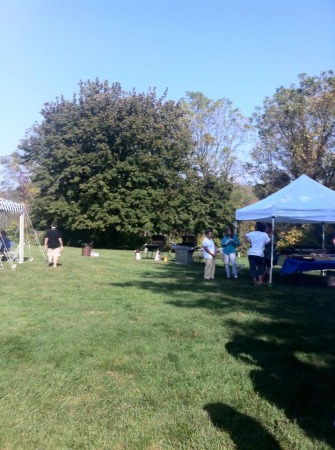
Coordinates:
[242,50]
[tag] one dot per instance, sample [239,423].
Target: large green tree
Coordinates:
[296,134]
[219,131]
[113,161]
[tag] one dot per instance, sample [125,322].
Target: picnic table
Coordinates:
[293,265]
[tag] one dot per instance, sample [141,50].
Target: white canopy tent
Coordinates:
[12,207]
[302,201]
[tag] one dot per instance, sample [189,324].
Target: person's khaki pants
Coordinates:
[53,255]
[209,269]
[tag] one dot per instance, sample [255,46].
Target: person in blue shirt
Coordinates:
[229,242]
[4,242]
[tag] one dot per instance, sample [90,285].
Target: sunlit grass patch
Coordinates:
[110,352]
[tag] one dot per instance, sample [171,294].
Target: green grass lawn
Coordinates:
[112,353]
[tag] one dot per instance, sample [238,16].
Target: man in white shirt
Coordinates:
[209,255]
[258,239]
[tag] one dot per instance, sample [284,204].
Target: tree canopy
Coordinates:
[296,134]
[111,162]
[219,131]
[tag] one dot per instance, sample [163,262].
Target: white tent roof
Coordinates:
[9,206]
[302,201]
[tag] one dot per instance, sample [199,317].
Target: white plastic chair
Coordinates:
[240,268]
[13,255]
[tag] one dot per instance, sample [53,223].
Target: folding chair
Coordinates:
[14,255]
[240,268]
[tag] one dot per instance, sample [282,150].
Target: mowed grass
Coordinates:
[112,353]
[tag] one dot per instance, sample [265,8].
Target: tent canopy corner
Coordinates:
[302,201]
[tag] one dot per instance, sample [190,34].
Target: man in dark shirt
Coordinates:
[54,243]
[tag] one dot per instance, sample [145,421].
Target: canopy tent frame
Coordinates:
[302,201]
[12,207]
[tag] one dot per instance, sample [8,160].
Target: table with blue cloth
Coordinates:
[292,265]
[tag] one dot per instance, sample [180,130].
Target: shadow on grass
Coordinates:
[245,431]
[186,288]
[297,373]
[189,290]
[293,346]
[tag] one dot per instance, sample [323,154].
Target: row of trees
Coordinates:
[296,135]
[112,165]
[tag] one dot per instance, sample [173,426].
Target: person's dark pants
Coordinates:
[4,257]
[257,265]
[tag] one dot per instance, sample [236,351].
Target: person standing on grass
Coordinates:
[257,240]
[229,243]
[54,244]
[209,255]
[4,242]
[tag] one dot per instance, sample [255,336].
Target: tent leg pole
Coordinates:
[271,267]
[21,239]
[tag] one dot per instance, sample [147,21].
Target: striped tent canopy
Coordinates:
[9,206]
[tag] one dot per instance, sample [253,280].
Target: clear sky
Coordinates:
[242,50]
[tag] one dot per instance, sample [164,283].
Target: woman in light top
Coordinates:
[257,240]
